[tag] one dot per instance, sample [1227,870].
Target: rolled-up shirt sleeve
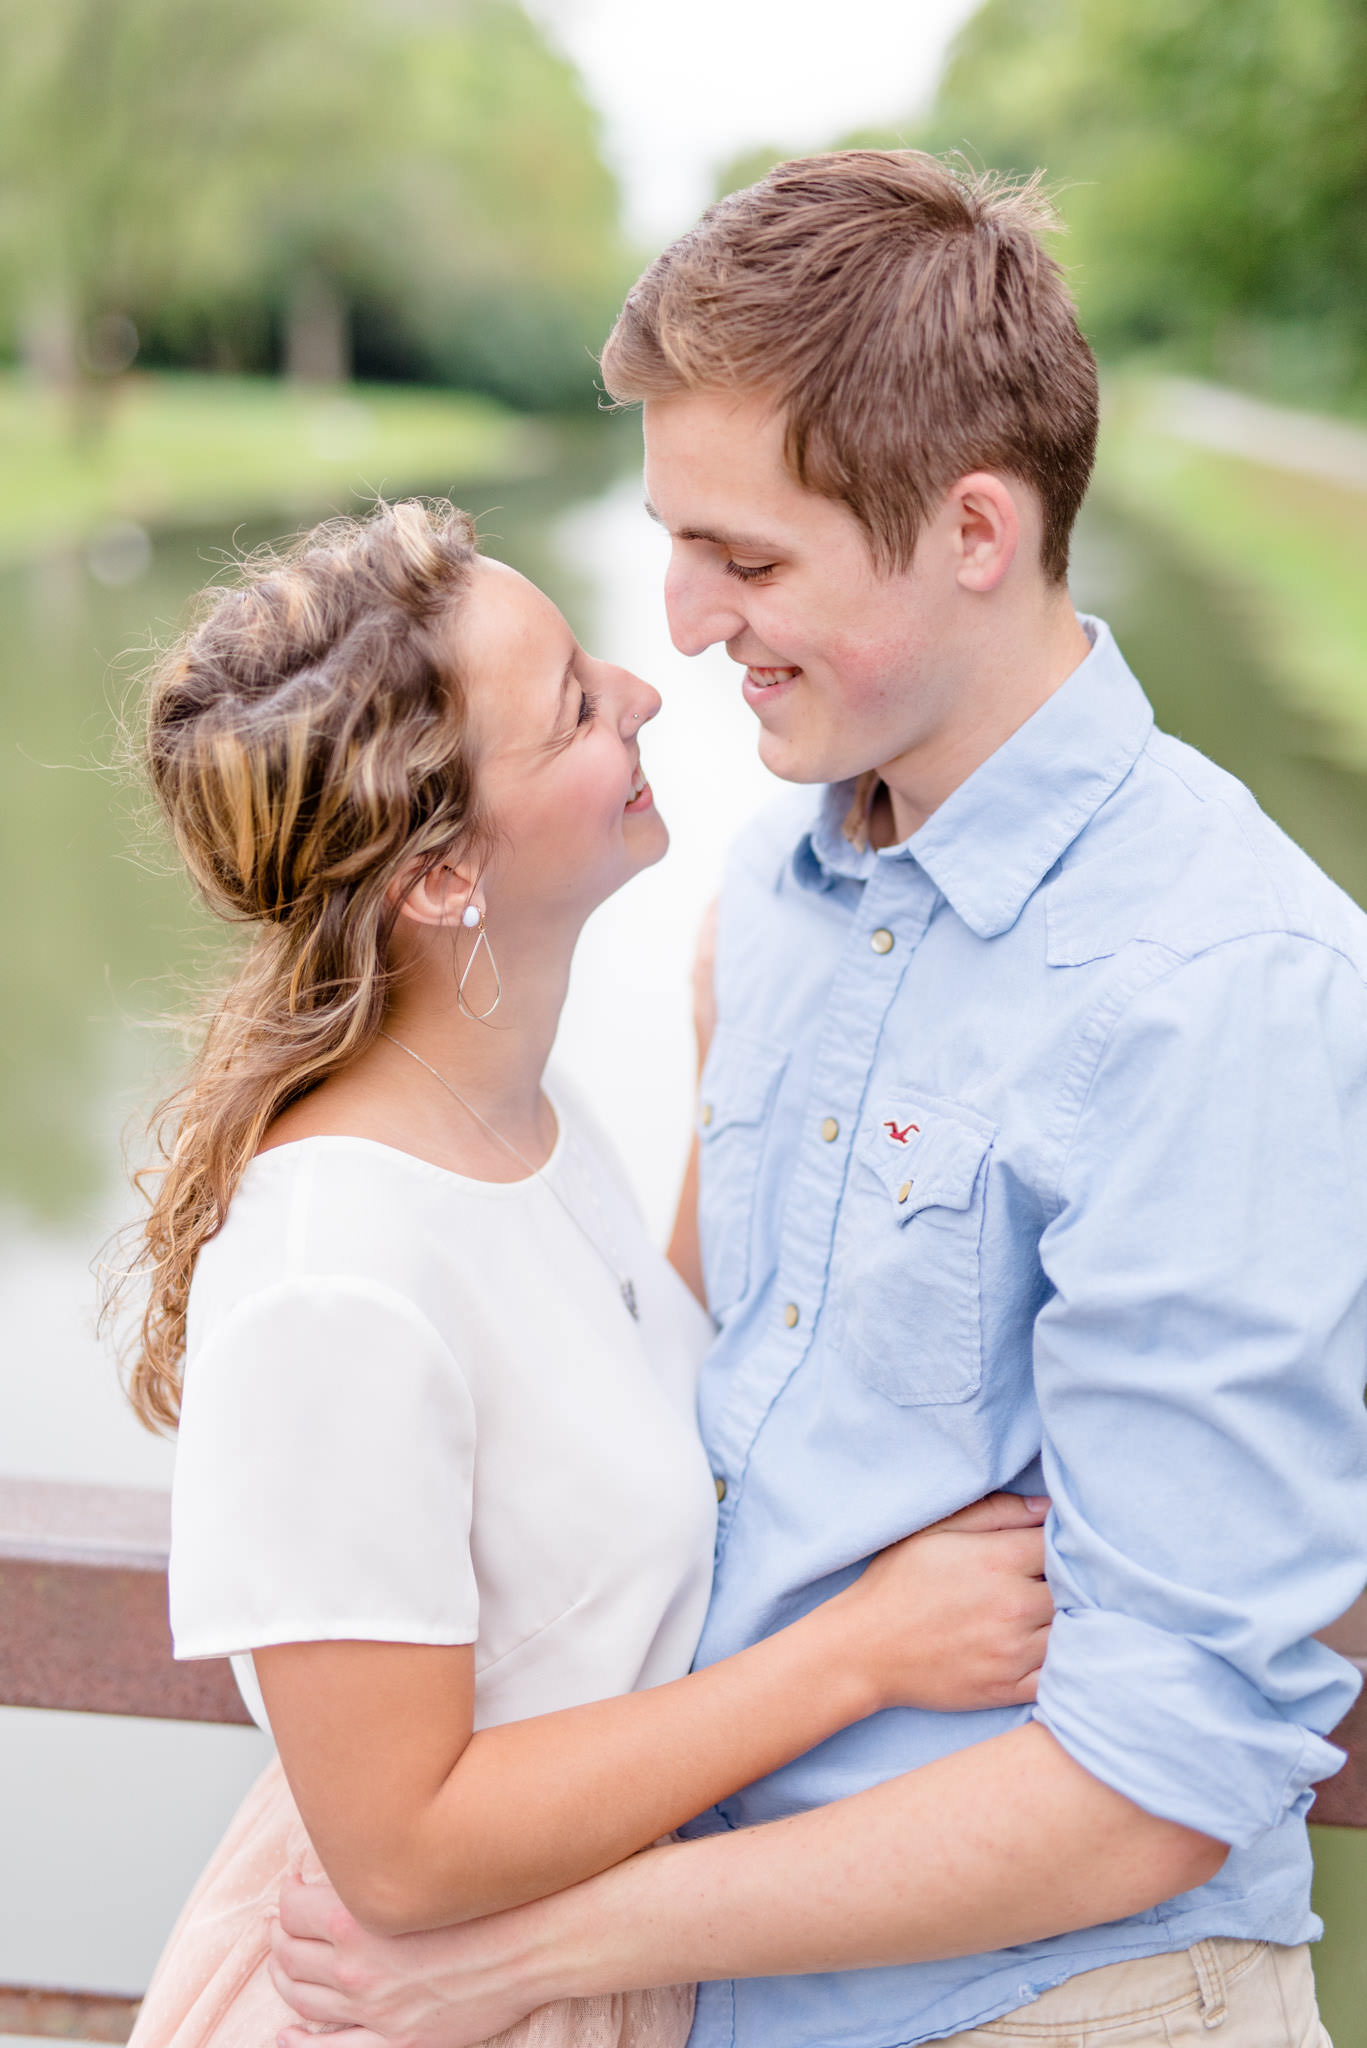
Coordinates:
[1200,1368]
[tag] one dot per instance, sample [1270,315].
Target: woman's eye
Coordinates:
[587,706]
[745,575]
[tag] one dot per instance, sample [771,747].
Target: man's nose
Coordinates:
[700,609]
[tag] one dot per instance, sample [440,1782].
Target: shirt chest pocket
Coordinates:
[912,1282]
[738,1089]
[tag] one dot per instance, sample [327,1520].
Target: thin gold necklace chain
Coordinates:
[624,1284]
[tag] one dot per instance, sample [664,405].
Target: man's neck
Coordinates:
[1001,690]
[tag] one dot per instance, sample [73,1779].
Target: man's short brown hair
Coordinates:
[904,315]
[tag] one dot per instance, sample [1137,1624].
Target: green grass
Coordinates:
[1341,1958]
[1293,545]
[185,450]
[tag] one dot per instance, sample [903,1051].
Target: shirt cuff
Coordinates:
[1180,1731]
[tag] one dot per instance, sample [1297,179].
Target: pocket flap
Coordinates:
[927,1156]
[738,1085]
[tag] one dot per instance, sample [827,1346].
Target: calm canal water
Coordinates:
[106,1822]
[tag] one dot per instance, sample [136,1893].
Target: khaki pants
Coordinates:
[1220,1994]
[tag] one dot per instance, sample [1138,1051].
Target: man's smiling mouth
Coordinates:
[766,678]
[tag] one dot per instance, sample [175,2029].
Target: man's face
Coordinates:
[845,669]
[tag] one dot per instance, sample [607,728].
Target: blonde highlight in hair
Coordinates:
[906,318]
[306,742]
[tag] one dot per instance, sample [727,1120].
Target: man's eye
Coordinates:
[744,575]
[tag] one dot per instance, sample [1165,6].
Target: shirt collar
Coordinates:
[991,843]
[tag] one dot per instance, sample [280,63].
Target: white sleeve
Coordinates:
[324,1476]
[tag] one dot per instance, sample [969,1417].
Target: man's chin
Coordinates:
[793,761]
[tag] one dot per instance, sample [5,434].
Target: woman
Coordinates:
[439,1490]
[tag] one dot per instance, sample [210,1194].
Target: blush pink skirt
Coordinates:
[212,1989]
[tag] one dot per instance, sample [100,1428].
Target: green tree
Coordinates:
[427,176]
[1213,155]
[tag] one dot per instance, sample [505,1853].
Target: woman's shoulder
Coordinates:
[340,1211]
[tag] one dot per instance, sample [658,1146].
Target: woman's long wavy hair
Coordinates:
[306,741]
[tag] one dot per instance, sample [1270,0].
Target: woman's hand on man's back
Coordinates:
[958,1615]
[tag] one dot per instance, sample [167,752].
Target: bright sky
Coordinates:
[682,87]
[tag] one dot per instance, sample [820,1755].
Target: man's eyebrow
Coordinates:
[739,543]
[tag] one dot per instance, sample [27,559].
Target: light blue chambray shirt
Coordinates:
[1035,1156]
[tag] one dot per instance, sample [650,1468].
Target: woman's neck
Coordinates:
[497,1062]
[439,1083]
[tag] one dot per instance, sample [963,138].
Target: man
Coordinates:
[1034,1155]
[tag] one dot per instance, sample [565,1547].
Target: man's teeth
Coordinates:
[765,678]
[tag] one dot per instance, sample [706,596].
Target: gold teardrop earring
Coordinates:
[473,921]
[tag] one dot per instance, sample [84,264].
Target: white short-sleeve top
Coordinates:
[417,1410]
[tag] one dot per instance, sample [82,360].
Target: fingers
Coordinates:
[302,1961]
[340,2037]
[997,1511]
[1017,1550]
[1027,1687]
[312,2002]
[312,1910]
[1039,1611]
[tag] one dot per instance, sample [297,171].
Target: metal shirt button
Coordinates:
[721,1487]
[790,1315]
[882,940]
[830,1130]
[904,1191]
[707,1113]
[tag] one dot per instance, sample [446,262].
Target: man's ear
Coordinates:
[437,895]
[985,530]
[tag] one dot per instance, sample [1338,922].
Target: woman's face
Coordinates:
[557,736]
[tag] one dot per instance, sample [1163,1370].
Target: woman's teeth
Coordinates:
[638,784]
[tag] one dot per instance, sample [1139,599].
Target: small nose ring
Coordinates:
[636,717]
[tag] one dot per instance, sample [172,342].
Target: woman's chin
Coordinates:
[647,843]
[647,837]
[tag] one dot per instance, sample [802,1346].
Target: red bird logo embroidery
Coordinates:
[902,1136]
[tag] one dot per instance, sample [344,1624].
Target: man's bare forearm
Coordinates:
[1008,1841]
[685,1251]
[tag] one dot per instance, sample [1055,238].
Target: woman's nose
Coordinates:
[640,704]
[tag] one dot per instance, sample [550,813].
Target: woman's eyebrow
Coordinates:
[557,724]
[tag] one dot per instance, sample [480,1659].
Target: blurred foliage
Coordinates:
[1212,160]
[412,186]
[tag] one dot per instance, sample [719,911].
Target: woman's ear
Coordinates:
[439,895]
[987,529]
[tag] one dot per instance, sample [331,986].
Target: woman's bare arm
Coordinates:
[421,1823]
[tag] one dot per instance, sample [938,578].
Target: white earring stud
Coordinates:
[470,917]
